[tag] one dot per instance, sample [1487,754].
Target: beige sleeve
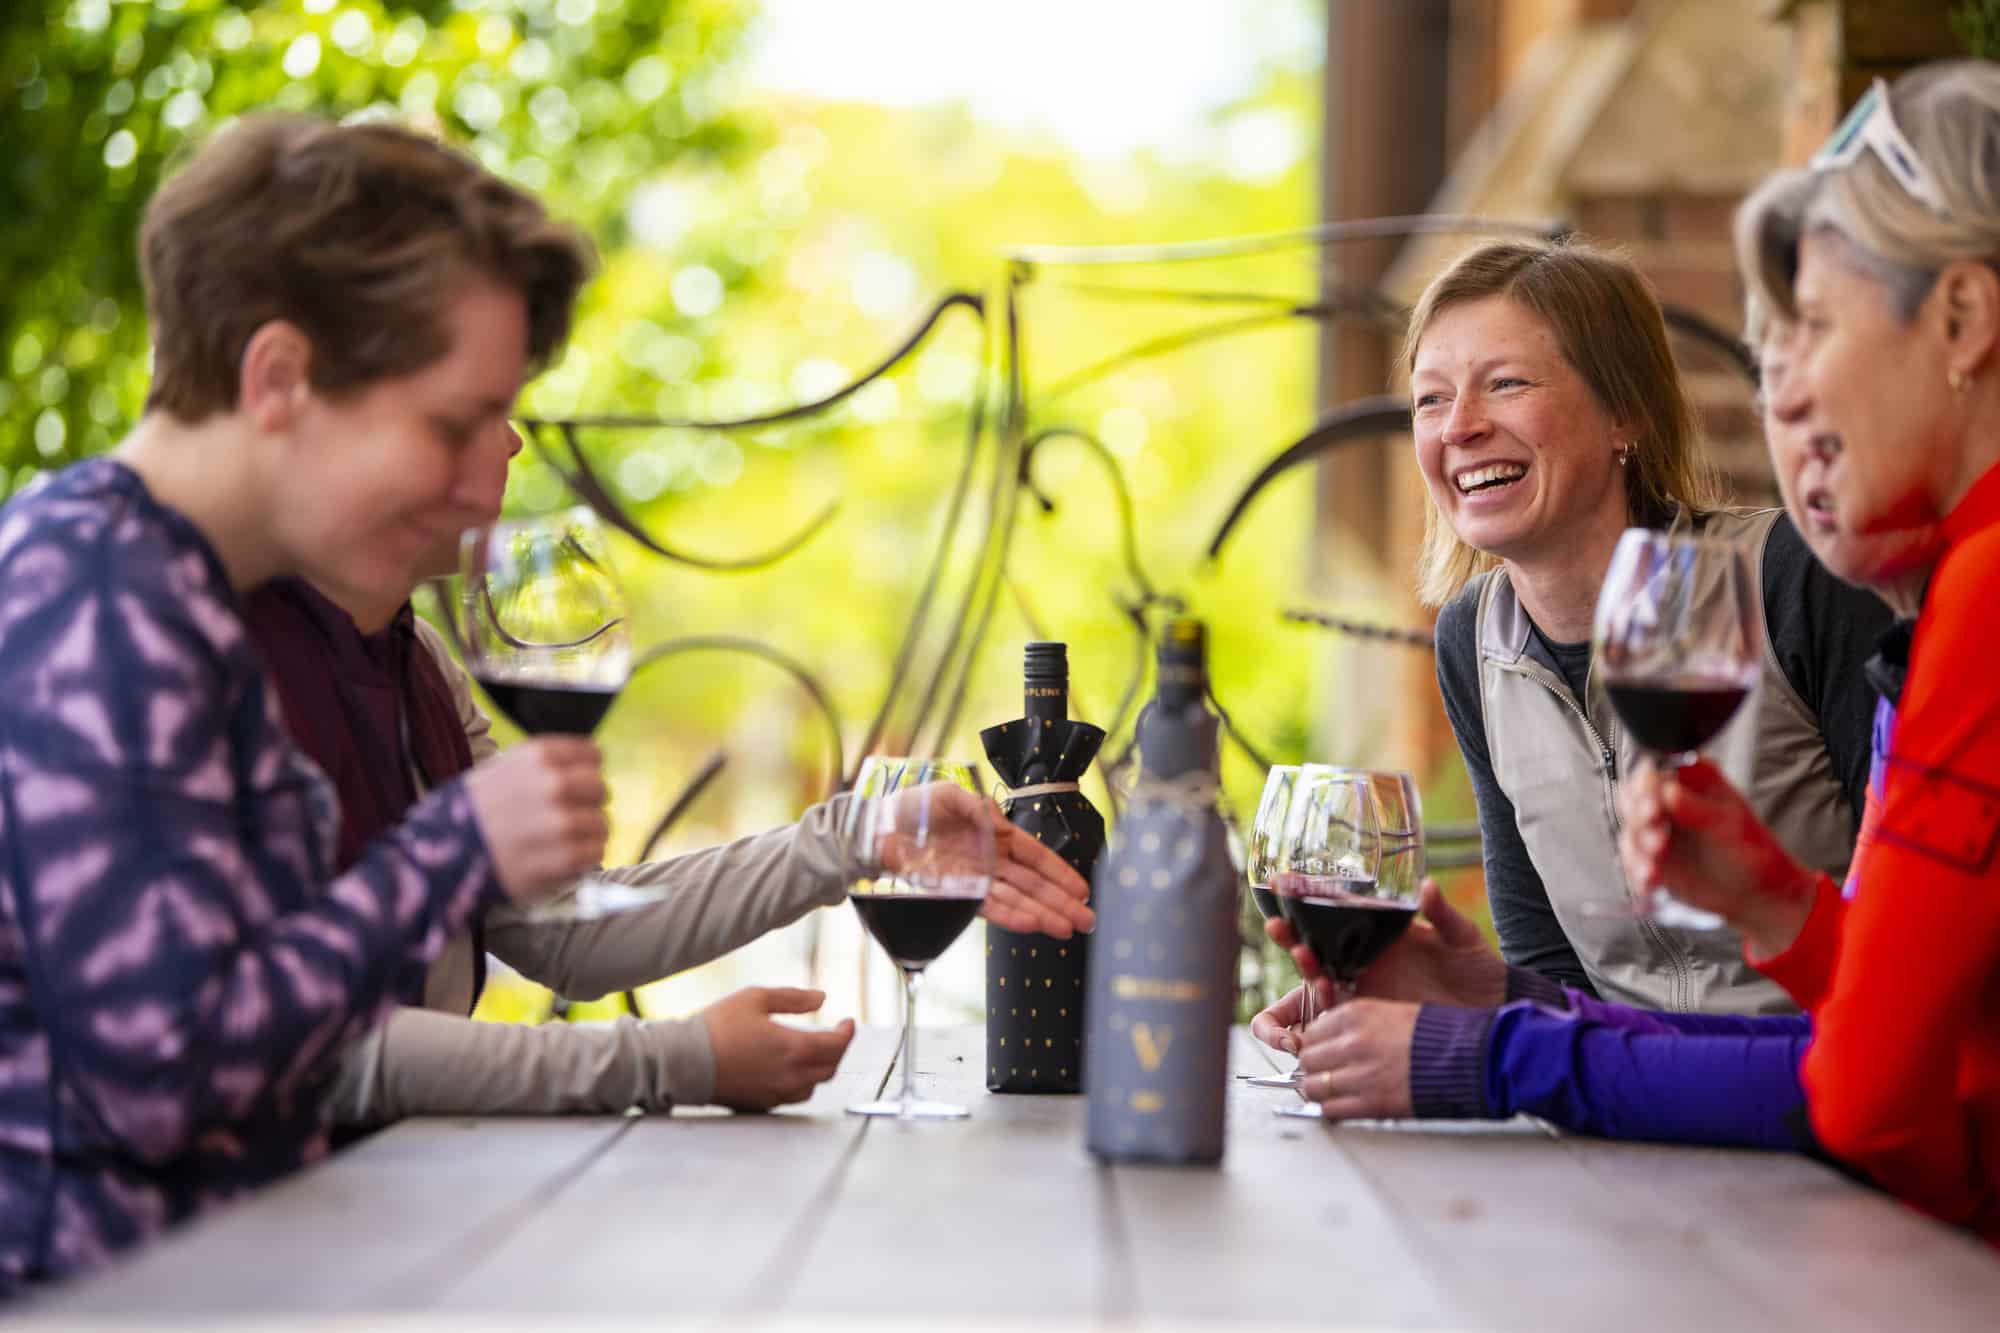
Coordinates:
[722,897]
[421,1062]
[478,726]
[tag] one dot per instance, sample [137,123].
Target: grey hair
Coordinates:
[1950,113]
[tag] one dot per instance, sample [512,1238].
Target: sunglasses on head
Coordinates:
[1872,126]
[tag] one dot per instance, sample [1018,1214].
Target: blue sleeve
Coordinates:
[1711,1025]
[191,963]
[1647,1080]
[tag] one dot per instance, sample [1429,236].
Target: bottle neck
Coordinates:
[1045,699]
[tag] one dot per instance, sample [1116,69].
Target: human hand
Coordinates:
[1688,831]
[1032,889]
[759,1063]
[540,805]
[1278,1026]
[1356,1060]
[1441,959]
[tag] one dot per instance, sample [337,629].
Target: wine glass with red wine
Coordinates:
[1329,883]
[1678,642]
[542,621]
[922,842]
[1260,864]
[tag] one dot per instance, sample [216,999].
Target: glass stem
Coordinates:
[912,978]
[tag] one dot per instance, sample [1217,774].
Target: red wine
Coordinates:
[1674,717]
[1346,931]
[1267,902]
[914,929]
[569,710]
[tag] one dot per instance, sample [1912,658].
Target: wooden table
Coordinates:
[811,1218]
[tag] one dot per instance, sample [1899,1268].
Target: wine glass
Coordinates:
[1329,882]
[1401,814]
[1678,640]
[542,622]
[921,840]
[1260,863]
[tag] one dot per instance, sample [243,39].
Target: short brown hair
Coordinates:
[360,235]
[1608,326]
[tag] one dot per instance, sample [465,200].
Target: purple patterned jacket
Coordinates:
[178,966]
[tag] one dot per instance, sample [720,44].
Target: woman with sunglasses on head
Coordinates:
[1554,1052]
[1548,417]
[341,318]
[1885,256]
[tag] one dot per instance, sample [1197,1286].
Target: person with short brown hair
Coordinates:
[343,317]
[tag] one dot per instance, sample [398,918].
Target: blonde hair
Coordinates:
[1608,326]
[1950,113]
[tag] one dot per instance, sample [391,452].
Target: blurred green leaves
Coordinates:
[578,99]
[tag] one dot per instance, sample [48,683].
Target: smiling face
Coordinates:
[1519,456]
[1868,391]
[370,488]
[1877,560]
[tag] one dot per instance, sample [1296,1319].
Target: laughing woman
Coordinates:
[1889,264]
[1549,416]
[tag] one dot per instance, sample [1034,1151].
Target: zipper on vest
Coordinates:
[1535,671]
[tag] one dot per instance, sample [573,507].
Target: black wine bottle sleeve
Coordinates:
[1034,983]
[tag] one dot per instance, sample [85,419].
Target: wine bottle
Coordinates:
[1034,983]
[1162,972]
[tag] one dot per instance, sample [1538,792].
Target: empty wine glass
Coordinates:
[1678,642]
[921,841]
[1329,884]
[542,621]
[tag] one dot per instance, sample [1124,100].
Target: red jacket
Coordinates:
[1903,980]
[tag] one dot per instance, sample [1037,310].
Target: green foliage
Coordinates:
[575,98]
[1976,24]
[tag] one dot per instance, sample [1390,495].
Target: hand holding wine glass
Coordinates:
[1328,880]
[1689,827]
[1678,640]
[923,861]
[541,619]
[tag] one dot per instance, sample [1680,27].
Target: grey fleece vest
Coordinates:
[1558,761]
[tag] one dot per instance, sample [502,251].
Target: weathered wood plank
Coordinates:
[686,1216]
[367,1230]
[1284,1229]
[810,1215]
[996,1217]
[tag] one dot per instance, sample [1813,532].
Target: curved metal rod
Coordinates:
[1127,525]
[1359,629]
[583,480]
[711,768]
[954,514]
[1364,418]
[731,643]
[997,538]
[1703,330]
[1174,342]
[1110,291]
[1330,233]
[493,618]
[970,300]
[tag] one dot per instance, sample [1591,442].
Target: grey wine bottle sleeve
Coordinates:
[1161,987]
